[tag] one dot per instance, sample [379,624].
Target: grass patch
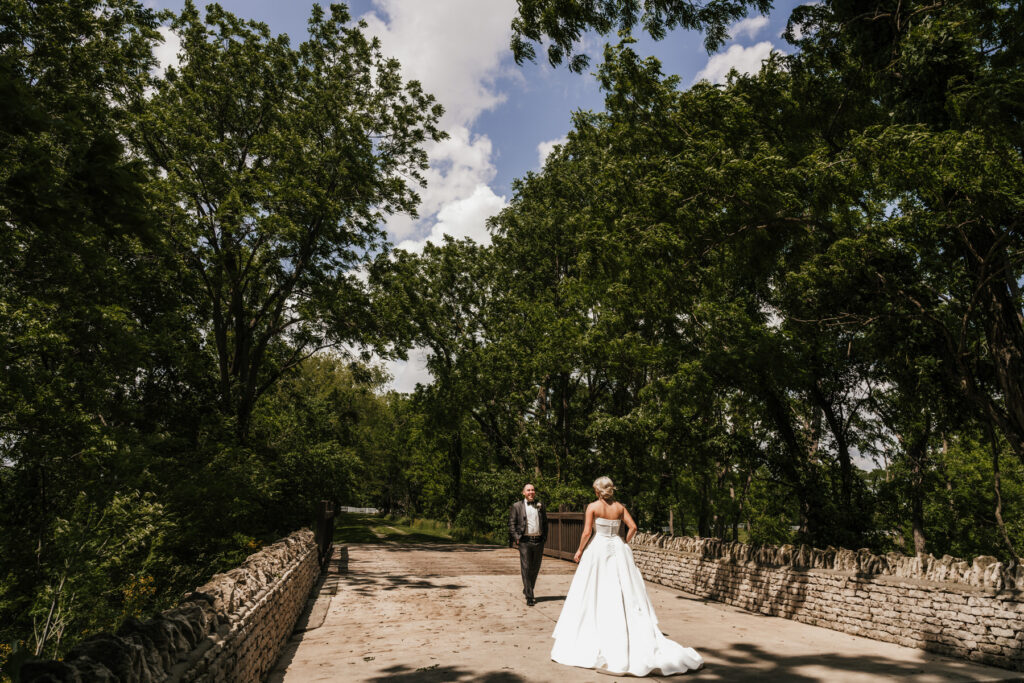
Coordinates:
[354,528]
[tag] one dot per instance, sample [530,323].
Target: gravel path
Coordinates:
[432,613]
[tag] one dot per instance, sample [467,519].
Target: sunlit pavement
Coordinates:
[432,613]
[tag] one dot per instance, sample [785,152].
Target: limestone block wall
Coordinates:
[232,628]
[976,611]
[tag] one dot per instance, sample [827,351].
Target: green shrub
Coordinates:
[429,525]
[463,535]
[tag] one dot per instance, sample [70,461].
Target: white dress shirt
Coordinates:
[532,519]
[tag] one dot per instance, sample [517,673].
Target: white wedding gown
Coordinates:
[607,622]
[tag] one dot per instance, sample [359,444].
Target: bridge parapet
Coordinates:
[983,572]
[232,628]
[970,610]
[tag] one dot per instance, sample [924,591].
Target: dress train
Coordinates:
[608,622]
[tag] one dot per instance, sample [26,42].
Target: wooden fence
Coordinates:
[564,532]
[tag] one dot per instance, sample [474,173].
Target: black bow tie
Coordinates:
[532,502]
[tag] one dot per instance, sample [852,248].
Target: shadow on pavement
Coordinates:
[436,546]
[370,582]
[328,584]
[439,674]
[749,662]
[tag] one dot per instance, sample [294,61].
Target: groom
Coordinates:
[527,530]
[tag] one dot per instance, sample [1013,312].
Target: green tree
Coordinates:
[945,155]
[79,258]
[562,23]
[325,429]
[441,293]
[278,164]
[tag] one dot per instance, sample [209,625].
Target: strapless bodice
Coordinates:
[606,527]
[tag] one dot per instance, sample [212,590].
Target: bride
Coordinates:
[608,623]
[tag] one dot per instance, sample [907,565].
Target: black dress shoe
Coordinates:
[530,602]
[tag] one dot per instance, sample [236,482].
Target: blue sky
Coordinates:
[501,117]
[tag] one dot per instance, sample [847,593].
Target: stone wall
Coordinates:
[233,628]
[974,611]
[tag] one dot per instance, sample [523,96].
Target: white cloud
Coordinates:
[406,374]
[798,31]
[466,217]
[746,60]
[166,53]
[455,48]
[458,166]
[547,147]
[749,27]
[458,50]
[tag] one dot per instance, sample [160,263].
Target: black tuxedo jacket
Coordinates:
[517,521]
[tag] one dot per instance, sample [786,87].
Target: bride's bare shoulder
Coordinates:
[613,510]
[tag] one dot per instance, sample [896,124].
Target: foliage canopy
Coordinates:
[727,298]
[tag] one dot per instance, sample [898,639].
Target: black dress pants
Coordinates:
[530,553]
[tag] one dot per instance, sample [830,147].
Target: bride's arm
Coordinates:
[588,528]
[630,523]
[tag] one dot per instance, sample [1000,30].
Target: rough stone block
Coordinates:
[210,635]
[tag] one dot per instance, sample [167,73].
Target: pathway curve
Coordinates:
[432,613]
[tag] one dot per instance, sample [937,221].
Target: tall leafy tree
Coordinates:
[440,294]
[79,256]
[742,287]
[279,163]
[938,133]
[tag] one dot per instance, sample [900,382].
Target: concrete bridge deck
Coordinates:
[429,613]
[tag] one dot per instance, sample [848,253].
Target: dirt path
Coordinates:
[431,613]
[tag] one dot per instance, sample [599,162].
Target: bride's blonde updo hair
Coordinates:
[604,488]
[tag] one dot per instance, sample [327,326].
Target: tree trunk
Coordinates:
[704,510]
[455,471]
[918,453]
[804,490]
[740,507]
[917,522]
[1005,335]
[563,423]
[951,518]
[835,425]
[999,497]
[985,249]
